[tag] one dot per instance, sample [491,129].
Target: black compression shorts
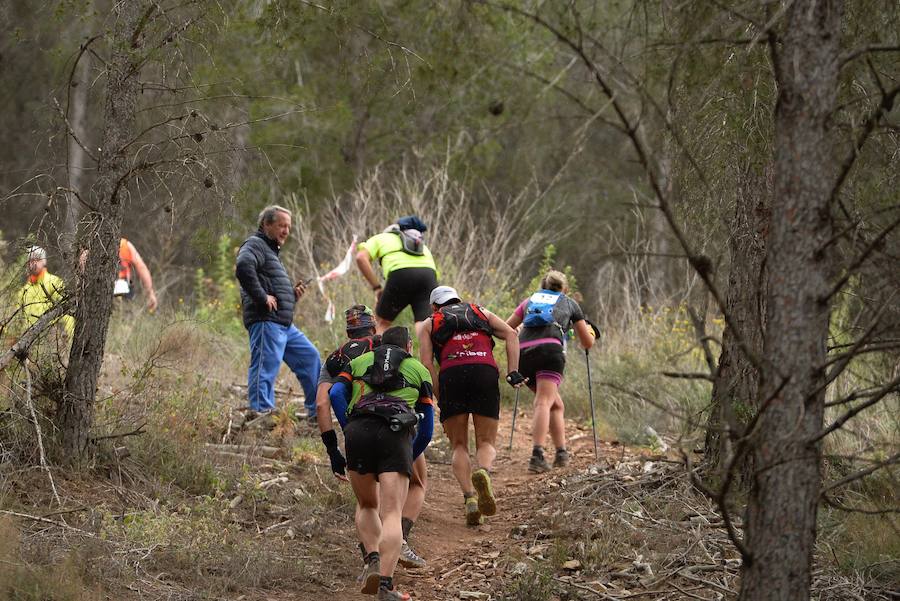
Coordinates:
[409,286]
[469,389]
[534,361]
[373,448]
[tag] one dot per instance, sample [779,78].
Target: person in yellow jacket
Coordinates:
[409,271]
[42,291]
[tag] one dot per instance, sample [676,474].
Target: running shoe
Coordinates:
[538,465]
[409,558]
[371,577]
[481,480]
[473,514]
[391,595]
[561,459]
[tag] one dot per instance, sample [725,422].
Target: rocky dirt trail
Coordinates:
[629,526]
[465,562]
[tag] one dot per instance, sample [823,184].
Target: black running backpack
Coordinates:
[340,359]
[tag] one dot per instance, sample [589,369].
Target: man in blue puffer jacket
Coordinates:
[268,297]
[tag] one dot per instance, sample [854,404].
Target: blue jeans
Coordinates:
[270,344]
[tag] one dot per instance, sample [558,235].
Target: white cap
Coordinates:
[36,253]
[443,294]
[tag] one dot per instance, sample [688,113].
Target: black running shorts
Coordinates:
[469,389]
[535,361]
[409,286]
[373,448]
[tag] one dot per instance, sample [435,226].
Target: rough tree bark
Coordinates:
[781,512]
[77,157]
[99,232]
[736,387]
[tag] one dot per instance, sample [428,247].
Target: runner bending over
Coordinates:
[362,339]
[408,267]
[384,389]
[546,316]
[460,336]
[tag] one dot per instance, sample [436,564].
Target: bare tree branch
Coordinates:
[895,458]
[860,259]
[857,52]
[828,500]
[885,390]
[19,350]
[884,107]
[71,131]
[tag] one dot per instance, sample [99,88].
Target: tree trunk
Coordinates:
[99,233]
[781,511]
[736,388]
[77,157]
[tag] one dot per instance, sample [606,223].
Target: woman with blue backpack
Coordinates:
[545,318]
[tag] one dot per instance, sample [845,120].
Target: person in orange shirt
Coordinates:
[130,260]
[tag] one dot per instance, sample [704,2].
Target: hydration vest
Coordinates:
[381,379]
[462,335]
[539,310]
[350,350]
[412,245]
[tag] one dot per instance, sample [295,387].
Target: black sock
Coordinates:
[561,450]
[372,557]
[387,583]
[362,549]
[537,451]
[468,495]
[407,525]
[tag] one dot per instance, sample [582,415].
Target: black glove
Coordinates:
[338,463]
[515,378]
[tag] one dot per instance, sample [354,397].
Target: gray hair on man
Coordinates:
[268,214]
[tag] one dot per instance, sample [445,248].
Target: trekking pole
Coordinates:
[587,360]
[512,430]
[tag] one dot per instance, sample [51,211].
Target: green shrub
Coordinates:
[217,299]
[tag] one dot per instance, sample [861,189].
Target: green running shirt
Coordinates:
[418,379]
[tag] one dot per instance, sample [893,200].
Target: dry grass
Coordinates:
[41,573]
[156,507]
[635,528]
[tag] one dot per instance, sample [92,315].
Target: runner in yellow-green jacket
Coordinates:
[408,268]
[42,291]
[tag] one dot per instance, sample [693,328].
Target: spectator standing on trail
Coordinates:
[460,337]
[130,259]
[545,318]
[385,390]
[267,301]
[362,339]
[408,267]
[42,291]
